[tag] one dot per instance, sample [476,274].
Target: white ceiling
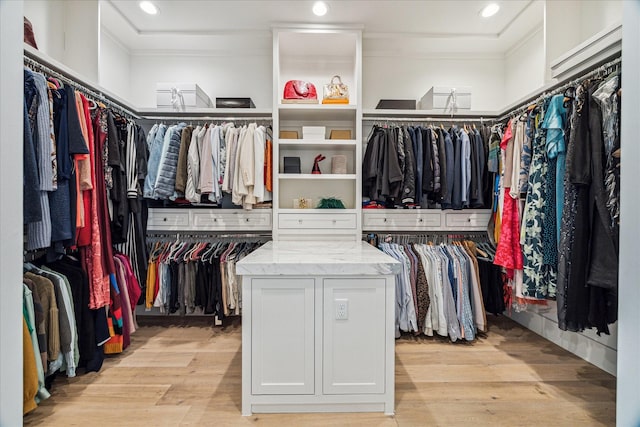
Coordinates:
[389,27]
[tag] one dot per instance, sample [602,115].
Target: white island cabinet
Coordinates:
[318,328]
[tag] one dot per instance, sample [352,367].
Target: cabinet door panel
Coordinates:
[354,348]
[282,343]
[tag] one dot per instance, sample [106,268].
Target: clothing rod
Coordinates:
[91,92]
[205,235]
[561,87]
[209,118]
[425,119]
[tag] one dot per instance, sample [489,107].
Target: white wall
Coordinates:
[524,67]
[628,398]
[115,66]
[218,76]
[46,17]
[11,213]
[597,15]
[408,77]
[68,31]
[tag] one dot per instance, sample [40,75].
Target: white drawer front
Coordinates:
[465,220]
[166,219]
[319,221]
[402,221]
[241,220]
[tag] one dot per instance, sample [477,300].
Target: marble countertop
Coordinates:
[317,258]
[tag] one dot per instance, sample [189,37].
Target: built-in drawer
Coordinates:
[465,220]
[333,221]
[168,219]
[407,220]
[238,220]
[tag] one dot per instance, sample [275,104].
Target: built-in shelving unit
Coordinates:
[327,52]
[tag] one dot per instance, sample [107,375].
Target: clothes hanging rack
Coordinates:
[199,237]
[598,70]
[49,69]
[458,119]
[177,117]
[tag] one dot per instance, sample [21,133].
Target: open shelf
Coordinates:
[323,176]
[317,143]
[317,112]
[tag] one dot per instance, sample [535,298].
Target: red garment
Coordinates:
[100,188]
[508,252]
[98,277]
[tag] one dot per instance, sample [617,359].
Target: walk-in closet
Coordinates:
[332,212]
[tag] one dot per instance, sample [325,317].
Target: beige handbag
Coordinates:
[335,92]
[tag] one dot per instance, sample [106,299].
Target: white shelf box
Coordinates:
[187,96]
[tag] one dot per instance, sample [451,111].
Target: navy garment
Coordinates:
[30,181]
[416,138]
[456,199]
[449,159]
[424,139]
[59,200]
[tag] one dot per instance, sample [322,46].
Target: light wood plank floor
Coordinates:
[190,376]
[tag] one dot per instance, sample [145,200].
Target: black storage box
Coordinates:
[234,103]
[396,104]
[292,165]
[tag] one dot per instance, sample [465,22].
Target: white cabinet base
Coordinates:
[302,353]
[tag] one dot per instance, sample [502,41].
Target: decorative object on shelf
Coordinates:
[316,164]
[299,91]
[313,132]
[288,134]
[234,103]
[340,134]
[446,98]
[339,164]
[335,93]
[396,104]
[302,203]
[292,165]
[181,96]
[331,203]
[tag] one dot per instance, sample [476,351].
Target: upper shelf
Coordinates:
[317,112]
[207,112]
[316,144]
[417,114]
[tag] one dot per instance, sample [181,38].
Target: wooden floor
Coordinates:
[190,376]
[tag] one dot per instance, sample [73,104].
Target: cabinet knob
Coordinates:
[384,220]
[420,220]
[334,221]
[164,219]
[247,219]
[299,221]
[215,219]
[469,219]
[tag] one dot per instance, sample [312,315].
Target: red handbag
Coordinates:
[298,89]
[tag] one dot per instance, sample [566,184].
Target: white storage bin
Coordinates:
[188,95]
[447,98]
[314,132]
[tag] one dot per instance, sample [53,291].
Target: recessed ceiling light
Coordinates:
[490,10]
[320,8]
[149,7]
